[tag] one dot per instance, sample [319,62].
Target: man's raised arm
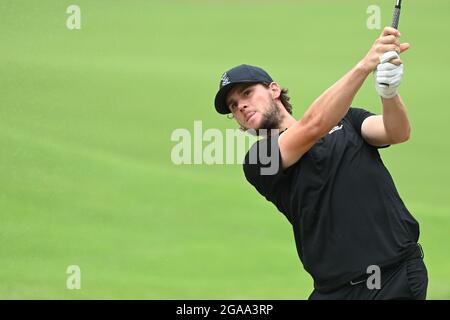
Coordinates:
[333,104]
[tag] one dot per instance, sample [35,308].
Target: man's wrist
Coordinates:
[388,96]
[390,99]
[363,68]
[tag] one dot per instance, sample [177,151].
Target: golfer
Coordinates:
[353,233]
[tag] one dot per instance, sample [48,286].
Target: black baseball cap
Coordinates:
[240,74]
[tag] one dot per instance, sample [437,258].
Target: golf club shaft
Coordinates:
[396,18]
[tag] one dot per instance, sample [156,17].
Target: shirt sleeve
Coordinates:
[356,116]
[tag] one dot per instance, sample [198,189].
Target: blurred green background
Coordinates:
[86,117]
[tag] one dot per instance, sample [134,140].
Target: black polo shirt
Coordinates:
[342,203]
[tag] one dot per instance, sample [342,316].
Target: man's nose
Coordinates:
[242,105]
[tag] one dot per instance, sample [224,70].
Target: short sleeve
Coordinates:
[262,167]
[356,117]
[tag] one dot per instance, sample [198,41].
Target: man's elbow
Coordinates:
[315,126]
[403,137]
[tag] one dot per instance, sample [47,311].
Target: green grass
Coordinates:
[85,124]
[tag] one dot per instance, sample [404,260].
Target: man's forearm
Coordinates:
[395,119]
[333,104]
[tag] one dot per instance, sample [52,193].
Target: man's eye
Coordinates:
[247,93]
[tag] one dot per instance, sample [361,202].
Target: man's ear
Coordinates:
[275,90]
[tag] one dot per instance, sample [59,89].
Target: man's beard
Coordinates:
[272,118]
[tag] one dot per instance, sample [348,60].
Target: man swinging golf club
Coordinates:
[331,183]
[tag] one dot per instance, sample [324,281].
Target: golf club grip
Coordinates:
[395,21]
[396,18]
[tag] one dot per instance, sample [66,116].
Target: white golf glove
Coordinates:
[388,76]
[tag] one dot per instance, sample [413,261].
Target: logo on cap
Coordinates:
[224,79]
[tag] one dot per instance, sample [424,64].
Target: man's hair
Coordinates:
[284,98]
